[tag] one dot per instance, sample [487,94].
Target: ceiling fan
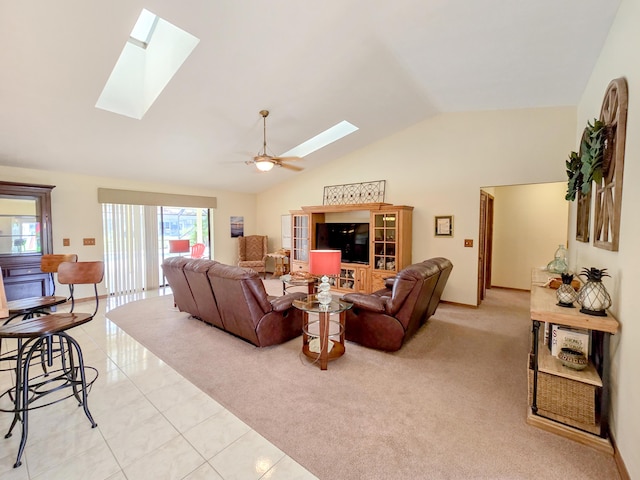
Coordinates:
[265,162]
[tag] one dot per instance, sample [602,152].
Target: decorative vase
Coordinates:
[565,293]
[593,296]
[559,262]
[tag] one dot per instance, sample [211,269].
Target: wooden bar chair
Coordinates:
[31,306]
[41,335]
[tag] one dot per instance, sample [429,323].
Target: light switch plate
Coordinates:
[66,242]
[88,241]
[468,242]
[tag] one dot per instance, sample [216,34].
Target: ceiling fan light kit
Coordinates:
[265,162]
[264,165]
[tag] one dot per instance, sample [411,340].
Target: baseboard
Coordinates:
[511,288]
[622,468]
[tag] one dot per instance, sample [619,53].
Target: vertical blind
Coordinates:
[131,235]
[124,240]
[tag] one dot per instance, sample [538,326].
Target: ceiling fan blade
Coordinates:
[290,167]
[287,159]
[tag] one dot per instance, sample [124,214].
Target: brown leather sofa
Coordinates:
[387,318]
[233,299]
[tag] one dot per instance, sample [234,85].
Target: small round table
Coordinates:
[289,281]
[323,339]
[279,260]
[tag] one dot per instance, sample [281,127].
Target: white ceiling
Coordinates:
[382,65]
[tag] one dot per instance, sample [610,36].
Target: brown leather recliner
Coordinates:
[387,318]
[248,312]
[233,299]
[445,266]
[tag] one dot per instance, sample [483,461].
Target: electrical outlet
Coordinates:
[66,242]
[88,241]
[468,242]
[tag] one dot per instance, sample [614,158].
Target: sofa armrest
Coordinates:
[367,302]
[283,303]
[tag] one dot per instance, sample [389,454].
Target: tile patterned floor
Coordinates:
[152,424]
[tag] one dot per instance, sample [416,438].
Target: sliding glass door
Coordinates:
[138,238]
[183,231]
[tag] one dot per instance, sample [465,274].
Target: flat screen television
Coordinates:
[352,239]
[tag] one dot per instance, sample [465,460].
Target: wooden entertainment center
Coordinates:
[390,232]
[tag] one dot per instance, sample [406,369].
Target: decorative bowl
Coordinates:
[573,359]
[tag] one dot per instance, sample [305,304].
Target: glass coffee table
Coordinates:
[289,281]
[323,338]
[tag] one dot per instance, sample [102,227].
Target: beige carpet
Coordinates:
[451,404]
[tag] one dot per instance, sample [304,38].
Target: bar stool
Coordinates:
[29,307]
[47,336]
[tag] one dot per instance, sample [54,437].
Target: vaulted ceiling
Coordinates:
[382,65]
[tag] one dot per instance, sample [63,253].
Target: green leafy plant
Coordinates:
[585,168]
[592,150]
[574,173]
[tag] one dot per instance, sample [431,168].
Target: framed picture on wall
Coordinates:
[237,226]
[444,226]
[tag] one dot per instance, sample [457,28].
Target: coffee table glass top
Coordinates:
[296,280]
[311,304]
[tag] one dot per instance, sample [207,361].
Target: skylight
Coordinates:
[143,29]
[150,58]
[323,139]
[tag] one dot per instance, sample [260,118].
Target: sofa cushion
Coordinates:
[196,273]
[173,269]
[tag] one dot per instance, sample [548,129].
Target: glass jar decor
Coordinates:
[565,293]
[559,263]
[593,297]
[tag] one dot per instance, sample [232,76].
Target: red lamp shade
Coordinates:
[324,262]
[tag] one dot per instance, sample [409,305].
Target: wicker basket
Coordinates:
[566,398]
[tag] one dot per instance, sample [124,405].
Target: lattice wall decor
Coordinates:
[354,193]
[608,194]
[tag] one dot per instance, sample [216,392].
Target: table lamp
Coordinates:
[325,263]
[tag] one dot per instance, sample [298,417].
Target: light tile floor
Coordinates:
[152,424]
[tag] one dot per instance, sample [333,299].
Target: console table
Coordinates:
[319,335]
[568,402]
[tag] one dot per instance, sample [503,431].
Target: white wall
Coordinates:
[76,213]
[619,58]
[530,221]
[438,166]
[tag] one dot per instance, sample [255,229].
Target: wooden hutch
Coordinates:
[25,235]
[390,233]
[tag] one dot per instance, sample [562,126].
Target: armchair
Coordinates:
[387,318]
[252,253]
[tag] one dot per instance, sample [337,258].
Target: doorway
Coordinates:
[485,244]
[520,228]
